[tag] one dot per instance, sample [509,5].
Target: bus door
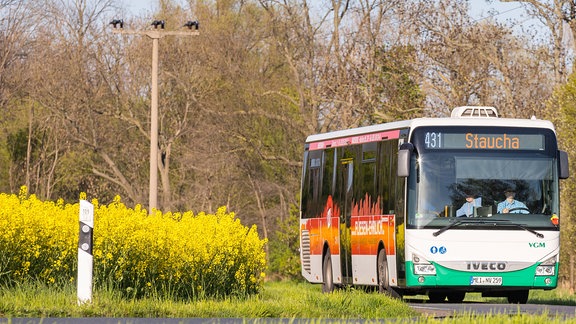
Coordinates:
[345,221]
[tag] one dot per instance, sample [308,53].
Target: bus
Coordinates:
[380,206]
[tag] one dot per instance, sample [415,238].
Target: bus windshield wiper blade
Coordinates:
[494,222]
[464,221]
[539,235]
[447,227]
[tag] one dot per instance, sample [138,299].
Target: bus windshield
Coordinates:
[503,186]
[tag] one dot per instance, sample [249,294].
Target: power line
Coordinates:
[498,14]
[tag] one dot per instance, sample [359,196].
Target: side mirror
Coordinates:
[404,155]
[563,170]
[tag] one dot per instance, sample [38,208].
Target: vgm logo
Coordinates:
[537,244]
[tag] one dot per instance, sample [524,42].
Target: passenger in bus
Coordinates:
[467,209]
[511,205]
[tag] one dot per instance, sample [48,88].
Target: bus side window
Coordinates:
[386,177]
[368,171]
[312,185]
[329,174]
[346,178]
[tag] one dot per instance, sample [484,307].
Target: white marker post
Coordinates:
[85,258]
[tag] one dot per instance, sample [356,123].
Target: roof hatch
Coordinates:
[474,112]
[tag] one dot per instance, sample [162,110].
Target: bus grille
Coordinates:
[305,242]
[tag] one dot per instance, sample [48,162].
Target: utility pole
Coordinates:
[155,34]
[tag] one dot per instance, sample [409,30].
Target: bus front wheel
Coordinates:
[328,279]
[436,297]
[518,297]
[456,296]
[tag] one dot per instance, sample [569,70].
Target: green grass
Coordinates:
[554,297]
[277,300]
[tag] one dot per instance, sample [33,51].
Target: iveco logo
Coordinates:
[486,266]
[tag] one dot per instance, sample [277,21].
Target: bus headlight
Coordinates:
[422,266]
[547,268]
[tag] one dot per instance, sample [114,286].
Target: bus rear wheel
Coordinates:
[328,279]
[383,275]
[518,297]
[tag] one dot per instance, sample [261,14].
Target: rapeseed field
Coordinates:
[176,255]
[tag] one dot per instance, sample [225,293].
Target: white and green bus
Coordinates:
[382,206]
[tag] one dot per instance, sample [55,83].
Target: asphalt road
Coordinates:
[448,310]
[443,310]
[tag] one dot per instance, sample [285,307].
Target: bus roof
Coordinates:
[418,122]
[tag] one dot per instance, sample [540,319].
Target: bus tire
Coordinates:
[456,296]
[518,297]
[436,297]
[327,276]
[383,274]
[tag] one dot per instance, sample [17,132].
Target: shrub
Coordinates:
[285,248]
[181,255]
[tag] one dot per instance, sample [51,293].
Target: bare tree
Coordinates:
[17,25]
[554,15]
[67,77]
[478,62]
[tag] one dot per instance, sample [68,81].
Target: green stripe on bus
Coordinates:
[451,278]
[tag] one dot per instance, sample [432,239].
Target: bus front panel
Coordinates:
[483,209]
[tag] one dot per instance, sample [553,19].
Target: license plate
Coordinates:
[486,281]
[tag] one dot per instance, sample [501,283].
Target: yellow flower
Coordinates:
[208,254]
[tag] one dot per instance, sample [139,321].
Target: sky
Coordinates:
[139,6]
[504,10]
[479,8]
[513,13]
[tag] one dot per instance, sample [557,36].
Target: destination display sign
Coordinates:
[478,141]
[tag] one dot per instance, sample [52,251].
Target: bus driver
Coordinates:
[511,205]
[467,209]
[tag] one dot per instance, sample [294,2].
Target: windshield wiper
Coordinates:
[539,235]
[495,222]
[447,227]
